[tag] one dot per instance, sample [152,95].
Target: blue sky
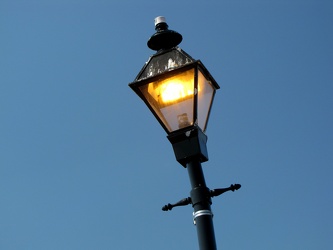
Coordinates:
[84,165]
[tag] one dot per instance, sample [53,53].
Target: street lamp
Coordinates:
[179,91]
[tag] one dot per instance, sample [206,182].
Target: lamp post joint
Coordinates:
[193,201]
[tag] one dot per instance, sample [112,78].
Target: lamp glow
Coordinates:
[173,89]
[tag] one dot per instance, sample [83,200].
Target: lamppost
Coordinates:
[179,91]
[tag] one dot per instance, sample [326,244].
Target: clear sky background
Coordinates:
[84,164]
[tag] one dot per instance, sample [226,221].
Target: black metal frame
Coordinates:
[197,66]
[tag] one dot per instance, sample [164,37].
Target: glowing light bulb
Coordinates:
[175,90]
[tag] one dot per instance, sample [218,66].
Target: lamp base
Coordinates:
[188,144]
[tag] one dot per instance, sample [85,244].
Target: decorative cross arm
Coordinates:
[212,193]
[182,202]
[219,191]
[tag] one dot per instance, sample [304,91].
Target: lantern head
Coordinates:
[177,89]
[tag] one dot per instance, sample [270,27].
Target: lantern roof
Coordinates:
[164,61]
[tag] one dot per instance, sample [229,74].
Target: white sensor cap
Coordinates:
[159,19]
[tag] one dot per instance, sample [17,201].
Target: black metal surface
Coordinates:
[190,150]
[198,197]
[189,144]
[219,191]
[182,202]
[201,201]
[159,63]
[164,38]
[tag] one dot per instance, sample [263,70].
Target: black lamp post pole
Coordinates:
[190,150]
[201,202]
[188,140]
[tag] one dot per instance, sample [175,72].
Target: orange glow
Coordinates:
[173,89]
